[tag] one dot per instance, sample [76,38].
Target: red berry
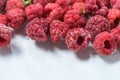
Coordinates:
[116,34]
[11,4]
[3,19]
[2,4]
[58,30]
[5,35]
[97,24]
[43,2]
[77,39]
[16,17]
[34,10]
[64,2]
[74,18]
[79,6]
[104,44]
[116,5]
[37,29]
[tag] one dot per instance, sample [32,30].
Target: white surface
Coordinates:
[25,59]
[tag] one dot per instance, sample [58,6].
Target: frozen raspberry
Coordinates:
[11,4]
[34,10]
[97,24]
[116,5]
[16,17]
[103,3]
[74,19]
[37,29]
[50,6]
[43,2]
[3,19]
[2,4]
[77,39]
[114,17]
[5,35]
[56,14]
[104,44]
[116,34]
[112,2]
[58,30]
[79,6]
[113,14]
[64,2]
[74,1]
[103,11]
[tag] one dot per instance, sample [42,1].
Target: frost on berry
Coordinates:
[5,35]
[37,29]
[16,17]
[58,30]
[11,4]
[104,44]
[97,24]
[74,18]
[3,19]
[77,39]
[34,10]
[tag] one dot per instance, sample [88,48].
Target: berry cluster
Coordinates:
[76,22]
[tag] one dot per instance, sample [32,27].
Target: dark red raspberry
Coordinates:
[77,39]
[34,10]
[103,3]
[5,35]
[97,24]
[104,44]
[2,4]
[74,18]
[11,4]
[37,29]
[79,6]
[43,2]
[16,17]
[116,34]
[58,30]
[3,19]
[64,2]
[56,14]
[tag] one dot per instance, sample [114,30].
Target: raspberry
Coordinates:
[37,29]
[112,2]
[16,17]
[11,4]
[34,10]
[78,1]
[77,39]
[116,34]
[74,19]
[2,4]
[3,19]
[97,24]
[113,14]
[104,44]
[58,30]
[116,5]
[103,11]
[64,2]
[50,6]
[103,3]
[114,17]
[56,14]
[79,6]
[43,2]
[5,35]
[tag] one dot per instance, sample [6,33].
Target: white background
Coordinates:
[26,59]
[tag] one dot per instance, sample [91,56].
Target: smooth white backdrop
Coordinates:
[26,59]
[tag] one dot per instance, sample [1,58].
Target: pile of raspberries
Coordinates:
[76,22]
